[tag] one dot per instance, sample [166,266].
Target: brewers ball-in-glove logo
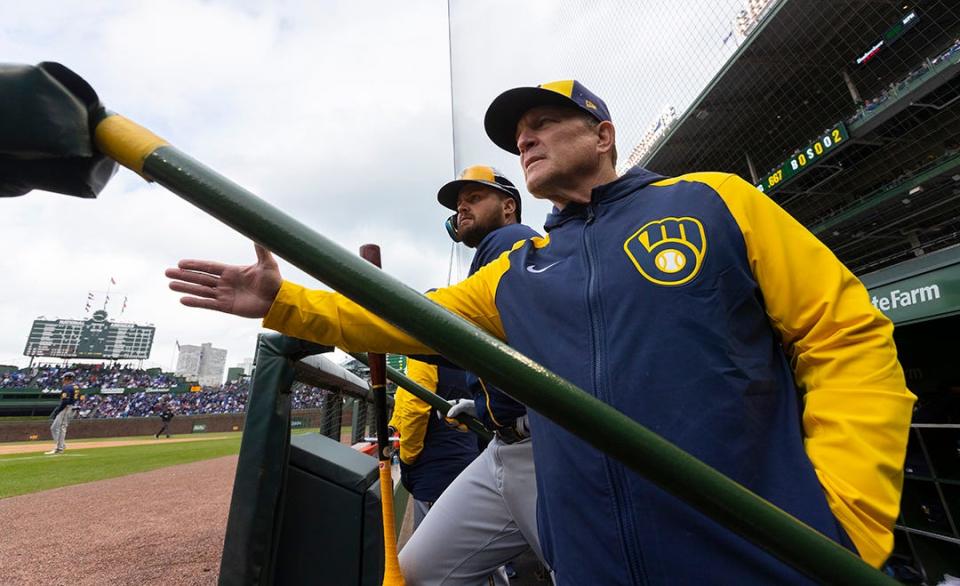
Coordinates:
[668,251]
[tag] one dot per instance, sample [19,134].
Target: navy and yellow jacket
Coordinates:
[494,407]
[432,454]
[698,307]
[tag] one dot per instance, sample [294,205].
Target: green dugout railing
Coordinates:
[472,423]
[646,453]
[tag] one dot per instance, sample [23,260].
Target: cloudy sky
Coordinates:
[338,112]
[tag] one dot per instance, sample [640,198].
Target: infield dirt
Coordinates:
[165,526]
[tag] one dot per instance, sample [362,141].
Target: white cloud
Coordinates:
[637,55]
[337,112]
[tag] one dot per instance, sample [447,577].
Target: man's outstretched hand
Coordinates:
[245,291]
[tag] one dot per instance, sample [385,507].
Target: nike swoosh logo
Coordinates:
[534,269]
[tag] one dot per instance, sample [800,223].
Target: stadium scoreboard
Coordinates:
[96,337]
[805,158]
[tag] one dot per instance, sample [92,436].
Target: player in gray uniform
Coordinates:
[487,516]
[69,395]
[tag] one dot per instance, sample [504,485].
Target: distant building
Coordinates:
[204,364]
[247,365]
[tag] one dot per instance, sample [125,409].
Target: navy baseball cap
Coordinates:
[506,109]
[481,175]
[68,374]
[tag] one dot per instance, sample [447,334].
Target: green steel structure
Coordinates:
[472,423]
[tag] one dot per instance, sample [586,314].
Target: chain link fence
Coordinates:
[845,112]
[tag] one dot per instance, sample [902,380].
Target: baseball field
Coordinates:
[132,510]
[92,460]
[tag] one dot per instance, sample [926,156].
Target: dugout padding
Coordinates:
[302,512]
[331,531]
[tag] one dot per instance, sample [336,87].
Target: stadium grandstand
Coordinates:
[883,74]
[116,391]
[847,114]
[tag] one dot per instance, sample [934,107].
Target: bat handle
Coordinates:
[392,575]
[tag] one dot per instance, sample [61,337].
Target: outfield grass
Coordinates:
[46,443]
[26,473]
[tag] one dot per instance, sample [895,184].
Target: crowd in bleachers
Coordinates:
[894,89]
[229,398]
[87,376]
[950,150]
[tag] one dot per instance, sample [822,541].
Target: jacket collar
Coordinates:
[631,181]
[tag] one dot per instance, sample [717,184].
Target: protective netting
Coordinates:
[643,58]
[845,112]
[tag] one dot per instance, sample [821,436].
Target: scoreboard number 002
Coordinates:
[805,158]
[817,149]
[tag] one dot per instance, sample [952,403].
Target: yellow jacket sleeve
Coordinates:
[857,408]
[332,319]
[411,415]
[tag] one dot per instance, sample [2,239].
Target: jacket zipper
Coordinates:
[615,474]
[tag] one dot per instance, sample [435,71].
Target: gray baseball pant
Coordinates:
[59,427]
[485,518]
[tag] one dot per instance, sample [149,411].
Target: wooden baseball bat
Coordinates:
[378,382]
